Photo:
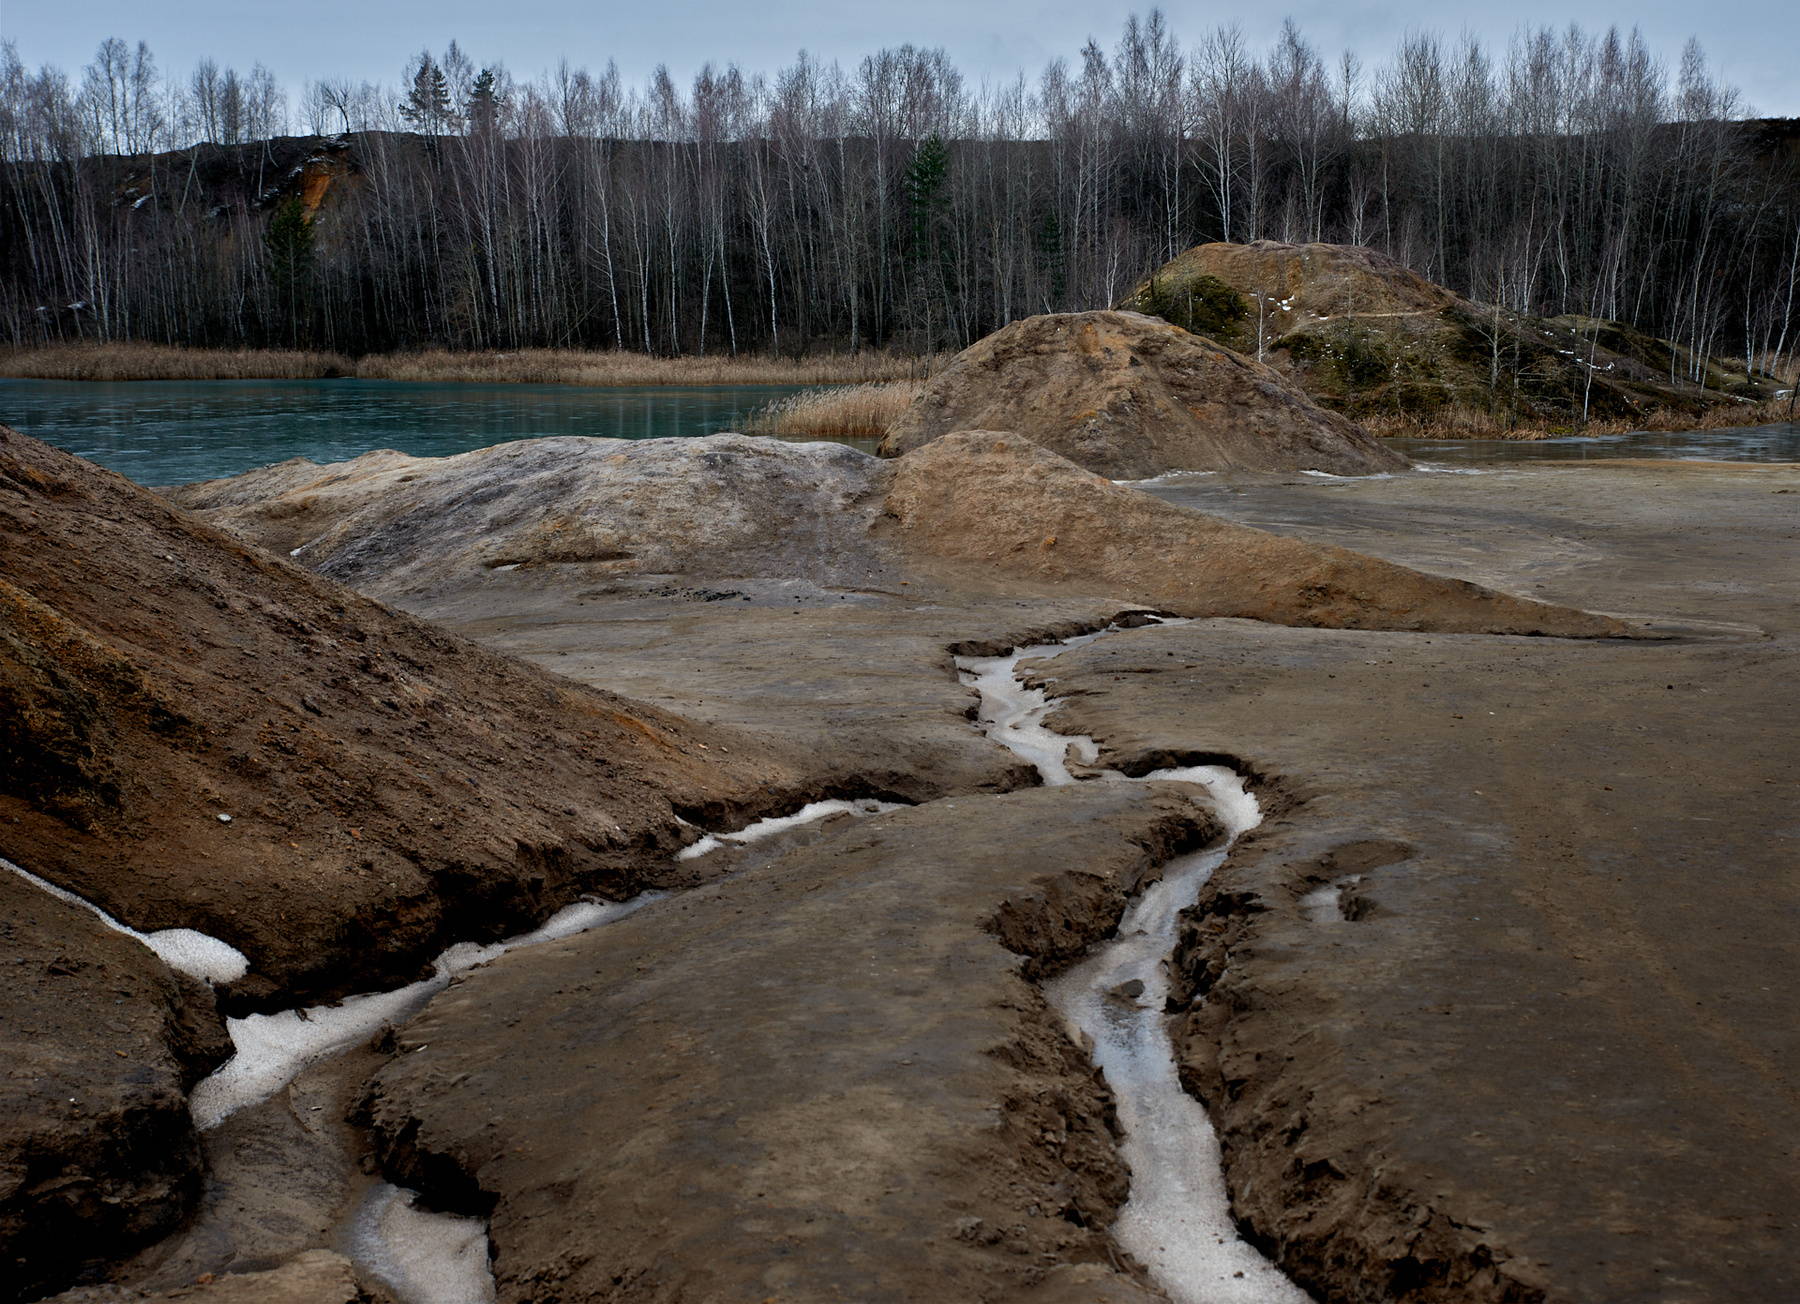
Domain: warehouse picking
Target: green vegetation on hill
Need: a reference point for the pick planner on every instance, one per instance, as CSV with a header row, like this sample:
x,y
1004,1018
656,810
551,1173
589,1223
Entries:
x,y
1366,337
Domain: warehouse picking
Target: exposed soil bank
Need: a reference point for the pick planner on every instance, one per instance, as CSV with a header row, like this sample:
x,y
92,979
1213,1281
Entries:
x,y
388,787
1500,1007
194,734
97,1152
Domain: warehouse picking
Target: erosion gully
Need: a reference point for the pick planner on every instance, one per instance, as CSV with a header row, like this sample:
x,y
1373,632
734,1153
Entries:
x,y
1177,1221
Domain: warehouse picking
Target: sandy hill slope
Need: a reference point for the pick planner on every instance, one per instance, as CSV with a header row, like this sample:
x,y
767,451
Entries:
x,y
970,512
1364,335
1125,396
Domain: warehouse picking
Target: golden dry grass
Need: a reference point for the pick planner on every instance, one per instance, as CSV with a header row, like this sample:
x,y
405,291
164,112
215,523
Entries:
x,y
139,361
862,411
132,360
583,367
1462,424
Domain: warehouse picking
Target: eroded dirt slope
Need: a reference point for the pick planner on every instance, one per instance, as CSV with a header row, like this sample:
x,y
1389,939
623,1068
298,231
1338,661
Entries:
x,y
984,504
971,513
97,1150
389,786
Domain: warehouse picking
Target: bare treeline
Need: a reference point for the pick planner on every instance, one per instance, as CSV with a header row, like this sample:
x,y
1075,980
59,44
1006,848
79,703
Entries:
x,y
887,204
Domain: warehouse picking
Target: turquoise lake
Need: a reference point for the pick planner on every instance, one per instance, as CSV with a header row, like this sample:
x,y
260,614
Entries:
x,y
161,432
174,432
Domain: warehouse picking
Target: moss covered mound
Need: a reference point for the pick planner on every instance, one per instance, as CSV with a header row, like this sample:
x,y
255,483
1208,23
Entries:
x,y
1365,336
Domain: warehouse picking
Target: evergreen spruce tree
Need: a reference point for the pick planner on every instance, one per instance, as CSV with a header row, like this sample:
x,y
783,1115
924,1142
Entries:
x,y
289,242
485,104
427,105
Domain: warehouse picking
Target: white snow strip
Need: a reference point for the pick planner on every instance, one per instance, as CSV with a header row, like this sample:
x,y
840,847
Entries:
x,y
1165,477
182,949
420,1257
1177,1220
272,1048
768,828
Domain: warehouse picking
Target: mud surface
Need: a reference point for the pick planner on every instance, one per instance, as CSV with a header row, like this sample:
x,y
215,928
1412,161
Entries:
x,y
1482,1011
1130,396
828,1076
1501,1006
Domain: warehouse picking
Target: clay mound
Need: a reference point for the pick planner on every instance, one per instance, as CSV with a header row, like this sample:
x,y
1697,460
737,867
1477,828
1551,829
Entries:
x,y
391,787
985,502
971,513
102,1045
1130,397
730,505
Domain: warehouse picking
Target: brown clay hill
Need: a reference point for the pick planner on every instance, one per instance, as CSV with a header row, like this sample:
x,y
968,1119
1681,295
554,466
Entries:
x,y
1129,397
390,787
1366,336
980,503
974,513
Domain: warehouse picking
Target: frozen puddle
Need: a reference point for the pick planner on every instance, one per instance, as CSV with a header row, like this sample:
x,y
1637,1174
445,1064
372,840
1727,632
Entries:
x,y
182,949
1178,1219
420,1257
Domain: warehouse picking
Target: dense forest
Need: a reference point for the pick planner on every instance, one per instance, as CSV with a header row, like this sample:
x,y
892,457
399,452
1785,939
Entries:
x,y
886,205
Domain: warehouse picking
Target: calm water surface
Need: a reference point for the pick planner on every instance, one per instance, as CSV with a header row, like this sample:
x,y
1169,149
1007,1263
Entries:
x,y
177,431
1775,443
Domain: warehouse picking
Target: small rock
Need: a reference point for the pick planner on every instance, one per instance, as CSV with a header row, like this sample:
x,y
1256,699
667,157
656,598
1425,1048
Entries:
x,y
224,818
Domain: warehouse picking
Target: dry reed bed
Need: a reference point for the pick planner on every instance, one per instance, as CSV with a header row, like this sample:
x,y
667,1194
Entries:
x,y
858,411
1479,425
139,361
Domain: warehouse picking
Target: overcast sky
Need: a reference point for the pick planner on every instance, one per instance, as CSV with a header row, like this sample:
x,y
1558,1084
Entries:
x,y
1753,44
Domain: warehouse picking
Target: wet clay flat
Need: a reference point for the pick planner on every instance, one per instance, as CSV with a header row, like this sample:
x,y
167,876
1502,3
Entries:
x,y
827,1077
1500,1005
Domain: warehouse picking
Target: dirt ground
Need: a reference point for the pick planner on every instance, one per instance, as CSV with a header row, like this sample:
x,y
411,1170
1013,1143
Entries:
x,y
1540,1045
1495,1006
1540,1048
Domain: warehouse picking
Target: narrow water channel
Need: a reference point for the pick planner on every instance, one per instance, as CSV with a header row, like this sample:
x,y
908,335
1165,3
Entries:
x,y
1177,1221
417,1255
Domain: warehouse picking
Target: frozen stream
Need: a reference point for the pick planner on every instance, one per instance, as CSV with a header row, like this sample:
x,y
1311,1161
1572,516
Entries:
x,y
418,1256
1178,1219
